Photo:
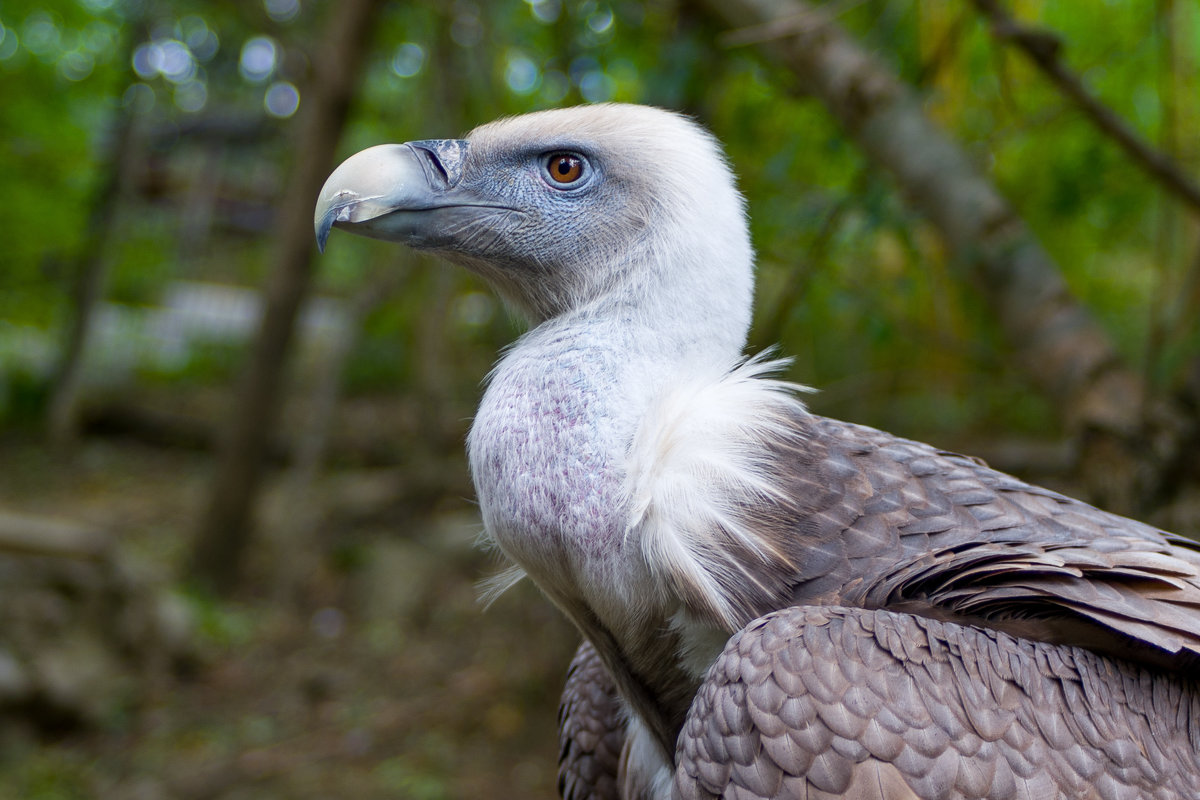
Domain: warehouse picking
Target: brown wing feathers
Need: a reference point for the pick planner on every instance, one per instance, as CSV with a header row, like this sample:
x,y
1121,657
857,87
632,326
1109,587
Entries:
x,y
834,697
965,541
871,705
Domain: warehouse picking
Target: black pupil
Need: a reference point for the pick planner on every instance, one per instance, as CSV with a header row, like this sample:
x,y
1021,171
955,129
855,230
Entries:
x,y
564,165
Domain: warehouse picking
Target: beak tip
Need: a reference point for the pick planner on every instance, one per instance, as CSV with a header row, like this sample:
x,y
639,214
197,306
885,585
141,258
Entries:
x,y
323,227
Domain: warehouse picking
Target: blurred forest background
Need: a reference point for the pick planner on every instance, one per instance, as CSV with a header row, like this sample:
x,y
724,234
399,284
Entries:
x,y
237,547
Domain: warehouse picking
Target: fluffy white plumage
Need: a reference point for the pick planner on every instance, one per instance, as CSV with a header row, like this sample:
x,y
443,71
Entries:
x,y
696,462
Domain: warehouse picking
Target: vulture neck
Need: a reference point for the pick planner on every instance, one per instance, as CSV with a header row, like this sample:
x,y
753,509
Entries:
x,y
683,293
550,446
551,453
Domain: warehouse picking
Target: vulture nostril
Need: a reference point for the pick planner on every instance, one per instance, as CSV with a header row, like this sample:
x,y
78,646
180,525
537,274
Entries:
x,y
441,159
432,162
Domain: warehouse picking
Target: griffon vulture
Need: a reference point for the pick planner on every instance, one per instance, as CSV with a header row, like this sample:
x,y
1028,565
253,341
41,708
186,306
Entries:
x,y
774,604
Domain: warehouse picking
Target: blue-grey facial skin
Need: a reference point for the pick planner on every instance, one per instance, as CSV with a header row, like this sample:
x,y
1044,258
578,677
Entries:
x,y
470,207
536,222
505,217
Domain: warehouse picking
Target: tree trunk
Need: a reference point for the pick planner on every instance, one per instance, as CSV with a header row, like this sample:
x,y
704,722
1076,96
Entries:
x,y
296,534
225,528
1124,446
91,275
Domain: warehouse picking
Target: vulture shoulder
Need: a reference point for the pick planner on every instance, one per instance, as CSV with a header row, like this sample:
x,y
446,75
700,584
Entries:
x,y
823,702
853,516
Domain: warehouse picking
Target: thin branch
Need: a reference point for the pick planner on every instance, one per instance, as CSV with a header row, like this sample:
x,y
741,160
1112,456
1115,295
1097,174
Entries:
x,y
1044,49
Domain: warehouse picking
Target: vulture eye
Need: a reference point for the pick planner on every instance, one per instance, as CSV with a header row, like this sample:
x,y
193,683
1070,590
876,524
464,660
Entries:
x,y
564,168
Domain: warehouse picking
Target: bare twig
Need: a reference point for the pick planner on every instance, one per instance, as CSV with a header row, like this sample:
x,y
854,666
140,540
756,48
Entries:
x,y
1044,49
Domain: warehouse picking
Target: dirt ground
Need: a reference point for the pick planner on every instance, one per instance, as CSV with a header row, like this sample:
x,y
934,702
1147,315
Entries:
x,y
384,679
377,675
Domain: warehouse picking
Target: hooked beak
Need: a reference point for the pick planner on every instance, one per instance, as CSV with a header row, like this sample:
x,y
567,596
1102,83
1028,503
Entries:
x,y
389,192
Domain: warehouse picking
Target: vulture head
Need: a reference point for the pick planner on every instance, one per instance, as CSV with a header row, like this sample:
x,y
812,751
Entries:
x,y
569,211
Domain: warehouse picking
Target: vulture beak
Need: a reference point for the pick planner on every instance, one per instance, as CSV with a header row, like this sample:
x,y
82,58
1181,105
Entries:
x,y
399,192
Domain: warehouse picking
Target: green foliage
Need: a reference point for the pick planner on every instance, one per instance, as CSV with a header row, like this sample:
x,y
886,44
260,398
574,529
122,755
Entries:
x,y
57,76
23,395
850,281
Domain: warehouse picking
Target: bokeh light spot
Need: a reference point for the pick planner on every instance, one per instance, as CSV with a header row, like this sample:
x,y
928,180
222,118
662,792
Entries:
x,y
139,97
173,60
191,96
100,39
601,21
258,59
8,43
76,65
521,74
281,100
142,63
408,59
42,36
282,10
545,11
200,39
596,87
169,58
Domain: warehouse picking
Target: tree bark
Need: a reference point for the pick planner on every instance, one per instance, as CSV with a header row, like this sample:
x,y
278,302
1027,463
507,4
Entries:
x,y
297,534
1123,448
91,276
226,524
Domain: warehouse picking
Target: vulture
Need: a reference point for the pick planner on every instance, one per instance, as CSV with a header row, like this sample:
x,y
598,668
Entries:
x,y
773,604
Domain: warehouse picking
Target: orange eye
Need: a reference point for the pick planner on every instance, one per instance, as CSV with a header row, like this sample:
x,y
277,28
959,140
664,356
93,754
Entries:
x,y
564,168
